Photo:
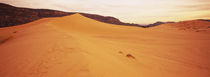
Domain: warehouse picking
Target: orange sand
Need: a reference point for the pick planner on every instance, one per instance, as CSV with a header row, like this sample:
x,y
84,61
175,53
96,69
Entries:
x,y
76,46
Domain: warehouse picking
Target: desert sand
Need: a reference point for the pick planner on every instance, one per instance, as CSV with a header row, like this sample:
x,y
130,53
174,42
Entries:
x,y
76,46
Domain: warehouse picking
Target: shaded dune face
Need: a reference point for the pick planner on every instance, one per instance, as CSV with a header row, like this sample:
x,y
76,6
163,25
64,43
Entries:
x,y
76,46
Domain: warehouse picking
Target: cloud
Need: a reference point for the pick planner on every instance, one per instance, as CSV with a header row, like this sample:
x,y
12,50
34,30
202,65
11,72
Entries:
x,y
196,7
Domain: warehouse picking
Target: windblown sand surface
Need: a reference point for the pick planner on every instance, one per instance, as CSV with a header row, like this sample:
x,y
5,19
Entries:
x,y
76,46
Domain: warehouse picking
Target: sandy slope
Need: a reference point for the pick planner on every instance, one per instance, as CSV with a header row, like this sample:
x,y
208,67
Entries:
x,y
75,46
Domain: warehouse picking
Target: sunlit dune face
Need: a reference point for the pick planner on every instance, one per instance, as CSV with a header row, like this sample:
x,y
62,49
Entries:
x,y
137,11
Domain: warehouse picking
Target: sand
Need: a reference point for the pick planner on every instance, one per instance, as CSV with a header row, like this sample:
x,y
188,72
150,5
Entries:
x,y
76,46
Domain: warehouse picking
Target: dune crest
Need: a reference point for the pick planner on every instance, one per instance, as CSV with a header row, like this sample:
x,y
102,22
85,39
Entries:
x,y
76,46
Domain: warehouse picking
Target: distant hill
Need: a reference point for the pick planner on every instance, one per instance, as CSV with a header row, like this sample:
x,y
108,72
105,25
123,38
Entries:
x,y
158,23
11,16
108,19
204,20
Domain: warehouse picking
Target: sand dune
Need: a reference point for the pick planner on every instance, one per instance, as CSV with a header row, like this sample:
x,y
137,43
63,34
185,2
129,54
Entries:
x,y
189,26
76,46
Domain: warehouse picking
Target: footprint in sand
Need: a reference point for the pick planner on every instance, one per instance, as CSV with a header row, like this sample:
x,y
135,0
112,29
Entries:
x,y
128,55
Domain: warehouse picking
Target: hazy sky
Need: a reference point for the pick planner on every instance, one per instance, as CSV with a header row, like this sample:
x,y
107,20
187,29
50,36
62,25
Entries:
x,y
137,11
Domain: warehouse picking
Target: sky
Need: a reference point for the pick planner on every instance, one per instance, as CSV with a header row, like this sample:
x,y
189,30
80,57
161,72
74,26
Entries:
x,y
131,11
